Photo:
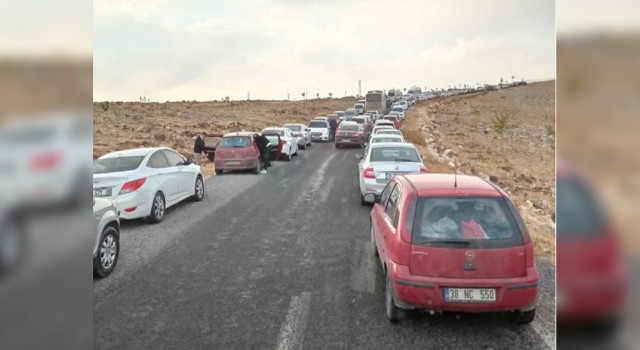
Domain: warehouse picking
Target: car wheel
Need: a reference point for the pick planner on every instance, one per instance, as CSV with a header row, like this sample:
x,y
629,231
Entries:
x,y
198,193
13,242
296,153
522,317
287,157
338,145
393,312
108,251
373,246
157,208
219,171
362,201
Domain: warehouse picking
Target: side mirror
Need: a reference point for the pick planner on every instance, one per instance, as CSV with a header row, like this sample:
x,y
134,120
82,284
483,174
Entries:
x,y
308,129
189,161
358,155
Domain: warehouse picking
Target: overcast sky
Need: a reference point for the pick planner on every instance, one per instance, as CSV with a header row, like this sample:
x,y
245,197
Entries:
x,y
204,50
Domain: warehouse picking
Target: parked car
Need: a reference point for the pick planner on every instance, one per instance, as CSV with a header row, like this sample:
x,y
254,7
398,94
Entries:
x,y
350,113
404,104
456,243
350,133
380,138
390,132
394,119
144,182
340,114
359,107
320,130
274,146
323,117
378,128
302,133
592,277
289,142
399,110
237,151
106,237
210,145
383,122
381,163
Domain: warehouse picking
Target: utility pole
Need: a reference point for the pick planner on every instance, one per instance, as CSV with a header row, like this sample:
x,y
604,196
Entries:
x,y
287,96
248,95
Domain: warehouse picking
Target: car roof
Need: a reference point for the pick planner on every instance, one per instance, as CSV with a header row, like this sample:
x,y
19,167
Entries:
x,y
348,122
273,128
294,124
386,136
393,144
239,133
443,184
134,152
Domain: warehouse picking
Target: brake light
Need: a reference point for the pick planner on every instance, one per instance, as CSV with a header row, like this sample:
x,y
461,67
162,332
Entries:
x,y
45,161
529,254
355,134
132,185
369,173
338,133
423,170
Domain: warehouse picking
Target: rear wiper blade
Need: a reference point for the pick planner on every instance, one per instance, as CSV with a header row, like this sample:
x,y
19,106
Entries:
x,y
438,241
404,160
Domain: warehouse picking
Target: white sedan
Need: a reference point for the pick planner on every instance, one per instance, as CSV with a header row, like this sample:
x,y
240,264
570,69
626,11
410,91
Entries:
x,y
290,145
144,182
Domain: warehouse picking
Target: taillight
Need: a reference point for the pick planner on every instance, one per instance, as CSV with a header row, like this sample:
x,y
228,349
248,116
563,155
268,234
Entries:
x,y
132,185
529,254
45,161
423,170
355,134
338,133
369,173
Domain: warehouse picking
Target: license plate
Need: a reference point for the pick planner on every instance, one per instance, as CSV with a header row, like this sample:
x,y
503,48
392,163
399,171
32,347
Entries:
x,y
391,175
485,295
233,163
102,192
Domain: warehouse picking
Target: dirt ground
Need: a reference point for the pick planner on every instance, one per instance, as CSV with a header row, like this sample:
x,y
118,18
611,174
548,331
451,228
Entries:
x,y
521,160
175,124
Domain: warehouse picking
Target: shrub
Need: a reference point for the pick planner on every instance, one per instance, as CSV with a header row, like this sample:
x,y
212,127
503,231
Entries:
x,y
104,105
500,121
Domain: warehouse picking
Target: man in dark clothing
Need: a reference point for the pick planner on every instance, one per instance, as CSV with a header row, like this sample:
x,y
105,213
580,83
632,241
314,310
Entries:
x,y
261,143
333,125
198,148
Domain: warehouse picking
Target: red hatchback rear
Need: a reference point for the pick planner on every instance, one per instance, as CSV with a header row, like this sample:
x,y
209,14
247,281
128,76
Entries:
x,y
237,151
450,244
394,119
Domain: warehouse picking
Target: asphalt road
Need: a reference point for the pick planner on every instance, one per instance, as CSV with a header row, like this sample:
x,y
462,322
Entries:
x,y
278,261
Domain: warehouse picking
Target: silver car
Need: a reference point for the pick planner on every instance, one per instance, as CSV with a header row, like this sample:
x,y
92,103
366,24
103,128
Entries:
x,y
302,133
383,161
106,237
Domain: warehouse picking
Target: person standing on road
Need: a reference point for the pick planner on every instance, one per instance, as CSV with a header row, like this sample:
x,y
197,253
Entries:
x,y
261,143
333,125
198,148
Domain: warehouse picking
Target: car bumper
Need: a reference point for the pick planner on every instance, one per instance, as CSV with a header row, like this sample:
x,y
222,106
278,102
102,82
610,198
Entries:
x,y
138,204
320,138
372,187
410,291
235,164
348,141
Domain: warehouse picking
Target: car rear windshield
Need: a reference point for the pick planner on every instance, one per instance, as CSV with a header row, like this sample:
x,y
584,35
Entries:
x,y
235,142
349,127
294,127
394,154
358,120
350,113
388,132
398,109
116,164
577,211
359,105
318,124
273,139
385,139
390,117
465,222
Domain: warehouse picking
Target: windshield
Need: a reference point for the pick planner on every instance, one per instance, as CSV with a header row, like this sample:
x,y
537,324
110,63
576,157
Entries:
x,y
450,220
294,127
235,142
349,112
398,109
318,124
358,120
577,211
112,165
359,105
349,127
394,154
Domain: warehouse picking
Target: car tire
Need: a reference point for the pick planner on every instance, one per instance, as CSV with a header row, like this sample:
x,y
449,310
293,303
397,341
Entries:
x,y
158,208
362,201
198,193
219,171
338,145
373,246
286,157
296,154
394,313
13,244
522,317
305,145
108,252
258,167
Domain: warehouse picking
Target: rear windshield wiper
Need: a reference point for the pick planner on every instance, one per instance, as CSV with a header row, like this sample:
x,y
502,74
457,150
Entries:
x,y
451,242
404,160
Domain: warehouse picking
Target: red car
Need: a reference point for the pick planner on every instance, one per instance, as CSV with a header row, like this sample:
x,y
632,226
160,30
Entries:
x,y
453,243
394,119
237,151
591,275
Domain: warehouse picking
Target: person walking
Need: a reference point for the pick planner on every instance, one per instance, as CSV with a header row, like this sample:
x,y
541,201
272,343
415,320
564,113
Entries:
x,y
261,143
198,148
333,125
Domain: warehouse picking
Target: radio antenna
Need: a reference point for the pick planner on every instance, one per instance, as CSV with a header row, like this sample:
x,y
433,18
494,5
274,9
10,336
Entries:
x,y
455,175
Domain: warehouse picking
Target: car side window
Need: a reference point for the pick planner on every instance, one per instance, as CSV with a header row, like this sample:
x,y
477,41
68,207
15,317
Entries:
x,y
385,193
393,202
174,158
158,161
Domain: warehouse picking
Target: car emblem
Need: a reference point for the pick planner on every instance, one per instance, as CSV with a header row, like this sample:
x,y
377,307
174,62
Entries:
x,y
397,167
469,255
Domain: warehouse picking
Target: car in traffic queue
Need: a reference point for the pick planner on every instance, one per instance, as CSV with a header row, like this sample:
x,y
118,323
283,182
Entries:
x,y
403,103
399,110
350,113
384,122
274,146
456,243
390,132
340,115
359,107
289,142
302,133
381,163
144,182
378,128
394,119
350,133
320,130
383,138
106,237
210,144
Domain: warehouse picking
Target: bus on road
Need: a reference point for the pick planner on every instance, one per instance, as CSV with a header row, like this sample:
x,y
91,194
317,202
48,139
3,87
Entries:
x,y
376,100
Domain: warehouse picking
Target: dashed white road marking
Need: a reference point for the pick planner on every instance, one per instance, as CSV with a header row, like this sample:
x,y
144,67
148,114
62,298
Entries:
x,y
295,324
326,190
